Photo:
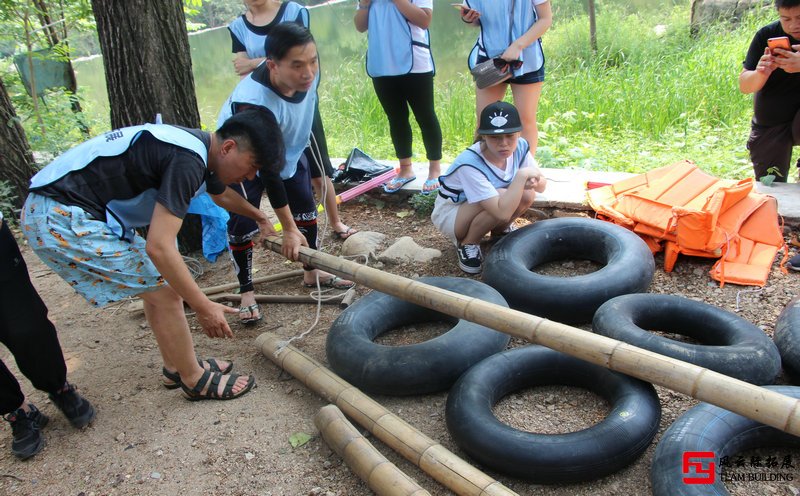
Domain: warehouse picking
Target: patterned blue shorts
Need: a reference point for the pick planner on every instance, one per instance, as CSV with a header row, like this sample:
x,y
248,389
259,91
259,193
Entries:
x,y
84,252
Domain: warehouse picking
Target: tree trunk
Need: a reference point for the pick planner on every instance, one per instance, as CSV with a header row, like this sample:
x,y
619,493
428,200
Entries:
x,y
147,61
148,71
17,164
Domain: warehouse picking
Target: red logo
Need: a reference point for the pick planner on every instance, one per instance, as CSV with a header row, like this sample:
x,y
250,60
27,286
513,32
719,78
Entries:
x,y
696,460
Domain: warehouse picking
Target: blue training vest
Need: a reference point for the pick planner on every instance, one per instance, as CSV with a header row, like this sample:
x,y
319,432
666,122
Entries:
x,y
470,158
255,43
122,216
295,118
389,41
497,33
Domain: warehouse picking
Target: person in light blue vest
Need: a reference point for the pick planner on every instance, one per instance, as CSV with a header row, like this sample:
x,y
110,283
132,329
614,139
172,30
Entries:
x,y
83,208
285,86
515,46
400,63
249,33
487,186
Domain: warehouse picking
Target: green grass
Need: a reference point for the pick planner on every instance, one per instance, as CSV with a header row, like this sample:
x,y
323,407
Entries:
x,y
652,95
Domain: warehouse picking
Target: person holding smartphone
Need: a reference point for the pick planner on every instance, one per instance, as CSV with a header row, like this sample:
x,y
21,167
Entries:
x,y
519,44
772,75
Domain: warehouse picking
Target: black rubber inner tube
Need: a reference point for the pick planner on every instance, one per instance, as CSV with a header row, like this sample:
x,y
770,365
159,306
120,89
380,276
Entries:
x,y
787,339
419,368
729,345
550,458
710,429
628,267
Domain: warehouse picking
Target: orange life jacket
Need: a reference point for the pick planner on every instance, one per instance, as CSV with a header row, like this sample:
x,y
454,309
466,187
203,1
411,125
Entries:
x,y
681,209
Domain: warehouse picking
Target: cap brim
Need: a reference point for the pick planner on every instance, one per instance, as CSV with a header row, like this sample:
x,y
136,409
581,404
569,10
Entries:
x,y
507,130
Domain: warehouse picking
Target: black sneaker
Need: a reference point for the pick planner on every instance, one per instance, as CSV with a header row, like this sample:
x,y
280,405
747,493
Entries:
x,y
26,430
794,262
75,407
469,258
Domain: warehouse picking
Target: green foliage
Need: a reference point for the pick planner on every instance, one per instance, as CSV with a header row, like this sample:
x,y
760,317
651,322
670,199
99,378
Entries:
x,y
422,204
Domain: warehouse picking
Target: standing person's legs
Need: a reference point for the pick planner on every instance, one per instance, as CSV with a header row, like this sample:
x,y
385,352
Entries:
x,y
388,90
241,231
771,150
323,186
485,96
304,212
24,327
526,99
419,93
321,173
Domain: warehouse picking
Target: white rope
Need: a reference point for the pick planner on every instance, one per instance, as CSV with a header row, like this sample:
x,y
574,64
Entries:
x,y
739,293
318,294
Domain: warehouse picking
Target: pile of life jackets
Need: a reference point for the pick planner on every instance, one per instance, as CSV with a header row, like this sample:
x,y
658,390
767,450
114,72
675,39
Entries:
x,y
681,209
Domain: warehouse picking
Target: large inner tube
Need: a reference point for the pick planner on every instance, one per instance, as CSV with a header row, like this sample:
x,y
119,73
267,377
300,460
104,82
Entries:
x,y
710,429
627,267
550,458
730,344
420,368
787,339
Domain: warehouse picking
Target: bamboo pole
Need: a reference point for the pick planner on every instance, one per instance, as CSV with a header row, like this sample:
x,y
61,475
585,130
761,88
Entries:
x,y
332,300
416,447
258,280
753,402
381,475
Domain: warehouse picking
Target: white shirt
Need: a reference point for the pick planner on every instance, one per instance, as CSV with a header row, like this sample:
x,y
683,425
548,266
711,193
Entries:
x,y
475,185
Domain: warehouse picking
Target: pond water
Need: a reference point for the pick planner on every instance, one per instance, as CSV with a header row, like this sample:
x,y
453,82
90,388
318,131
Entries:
x,y
338,43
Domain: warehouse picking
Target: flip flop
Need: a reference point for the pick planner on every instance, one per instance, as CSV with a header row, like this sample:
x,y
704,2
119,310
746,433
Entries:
x,y
343,235
430,186
334,282
250,310
398,183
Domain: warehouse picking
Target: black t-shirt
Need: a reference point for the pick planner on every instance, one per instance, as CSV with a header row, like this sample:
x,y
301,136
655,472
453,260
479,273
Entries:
x,y
779,100
174,171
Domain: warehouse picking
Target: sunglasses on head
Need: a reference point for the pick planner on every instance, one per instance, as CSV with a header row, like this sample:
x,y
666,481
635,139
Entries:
x,y
502,63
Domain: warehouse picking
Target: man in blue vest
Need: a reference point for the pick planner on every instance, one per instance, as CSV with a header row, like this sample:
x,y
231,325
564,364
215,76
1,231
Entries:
x,y
83,208
286,86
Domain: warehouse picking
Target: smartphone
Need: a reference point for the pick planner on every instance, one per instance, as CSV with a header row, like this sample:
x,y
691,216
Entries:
x,y
779,42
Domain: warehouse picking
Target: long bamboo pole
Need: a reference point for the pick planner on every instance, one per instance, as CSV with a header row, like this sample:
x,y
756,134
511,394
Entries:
x,y
381,475
753,402
441,464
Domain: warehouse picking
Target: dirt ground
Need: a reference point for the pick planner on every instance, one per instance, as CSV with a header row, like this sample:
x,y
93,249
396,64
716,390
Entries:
x,y
149,440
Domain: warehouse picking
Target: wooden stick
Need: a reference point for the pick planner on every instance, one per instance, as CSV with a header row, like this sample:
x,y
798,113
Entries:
x,y
753,402
416,447
258,280
138,305
381,475
333,300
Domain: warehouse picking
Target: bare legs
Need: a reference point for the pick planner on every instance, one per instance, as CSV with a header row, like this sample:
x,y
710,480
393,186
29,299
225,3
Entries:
x,y
163,309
